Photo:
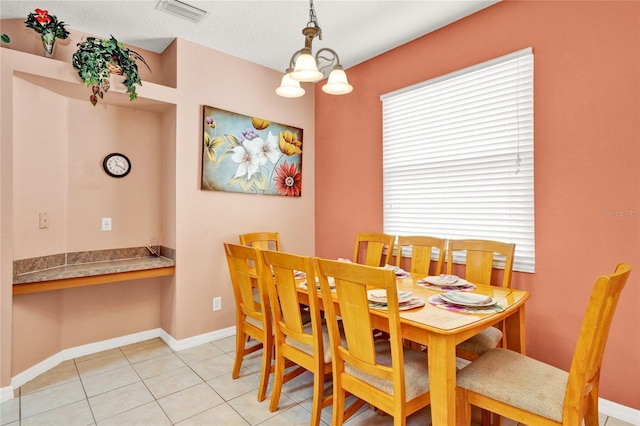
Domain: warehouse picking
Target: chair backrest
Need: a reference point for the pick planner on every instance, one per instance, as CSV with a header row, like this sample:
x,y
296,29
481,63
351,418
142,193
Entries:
x,y
584,374
373,244
245,268
279,276
261,240
480,255
351,282
421,251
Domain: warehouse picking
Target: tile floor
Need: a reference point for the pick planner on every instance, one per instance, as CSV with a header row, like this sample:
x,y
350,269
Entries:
x,y
149,384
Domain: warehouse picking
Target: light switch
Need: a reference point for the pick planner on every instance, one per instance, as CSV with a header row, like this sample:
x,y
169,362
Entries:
x,y
106,224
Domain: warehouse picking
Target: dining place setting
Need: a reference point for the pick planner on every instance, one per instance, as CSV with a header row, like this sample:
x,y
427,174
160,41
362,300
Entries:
x,y
303,285
456,294
406,300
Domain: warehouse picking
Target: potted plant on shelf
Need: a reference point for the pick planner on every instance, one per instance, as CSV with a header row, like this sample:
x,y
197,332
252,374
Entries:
x,y
48,27
97,58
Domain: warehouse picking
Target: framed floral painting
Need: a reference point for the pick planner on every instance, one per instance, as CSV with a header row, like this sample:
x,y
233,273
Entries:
x,y
250,155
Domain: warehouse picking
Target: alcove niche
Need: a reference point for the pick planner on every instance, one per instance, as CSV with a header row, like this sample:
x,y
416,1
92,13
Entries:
x,y
58,141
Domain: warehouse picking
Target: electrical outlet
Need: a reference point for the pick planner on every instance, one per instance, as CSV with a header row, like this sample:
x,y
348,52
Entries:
x,y
106,224
44,220
217,303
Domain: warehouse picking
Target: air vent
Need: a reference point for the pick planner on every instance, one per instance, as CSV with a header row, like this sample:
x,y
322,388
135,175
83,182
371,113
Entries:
x,y
182,10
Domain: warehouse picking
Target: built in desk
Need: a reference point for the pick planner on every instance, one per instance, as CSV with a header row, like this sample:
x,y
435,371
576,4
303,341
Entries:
x,y
91,273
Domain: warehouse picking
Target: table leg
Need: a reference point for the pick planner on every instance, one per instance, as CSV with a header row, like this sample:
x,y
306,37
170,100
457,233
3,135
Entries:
x,y
514,331
442,379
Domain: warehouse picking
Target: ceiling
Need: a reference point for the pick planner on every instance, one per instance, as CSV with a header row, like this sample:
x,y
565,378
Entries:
x,y
264,32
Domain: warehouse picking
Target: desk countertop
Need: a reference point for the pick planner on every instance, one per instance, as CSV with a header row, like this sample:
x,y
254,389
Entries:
x,y
93,269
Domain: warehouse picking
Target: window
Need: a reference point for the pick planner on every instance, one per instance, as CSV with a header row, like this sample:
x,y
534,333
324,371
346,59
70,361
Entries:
x,y
458,156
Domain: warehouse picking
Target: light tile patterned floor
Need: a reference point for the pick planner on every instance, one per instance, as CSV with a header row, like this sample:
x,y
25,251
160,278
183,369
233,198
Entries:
x,y
149,384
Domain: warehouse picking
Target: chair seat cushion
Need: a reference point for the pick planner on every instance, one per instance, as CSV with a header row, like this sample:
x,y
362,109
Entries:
x,y
517,380
253,322
308,348
483,341
416,371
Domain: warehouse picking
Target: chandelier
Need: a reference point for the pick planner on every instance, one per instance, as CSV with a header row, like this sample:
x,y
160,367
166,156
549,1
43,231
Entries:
x,y
303,66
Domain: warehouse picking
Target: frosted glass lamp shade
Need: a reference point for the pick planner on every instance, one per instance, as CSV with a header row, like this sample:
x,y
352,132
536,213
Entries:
x,y
337,83
289,88
306,69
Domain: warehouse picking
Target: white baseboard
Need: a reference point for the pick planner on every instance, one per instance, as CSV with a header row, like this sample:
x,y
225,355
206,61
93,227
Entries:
x,y
620,412
608,408
190,342
6,393
78,351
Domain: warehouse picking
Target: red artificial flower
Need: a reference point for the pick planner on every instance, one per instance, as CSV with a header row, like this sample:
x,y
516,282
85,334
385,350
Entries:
x,y
289,180
43,23
43,16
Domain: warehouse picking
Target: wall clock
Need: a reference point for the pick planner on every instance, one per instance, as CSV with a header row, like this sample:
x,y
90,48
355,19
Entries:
x,y
116,165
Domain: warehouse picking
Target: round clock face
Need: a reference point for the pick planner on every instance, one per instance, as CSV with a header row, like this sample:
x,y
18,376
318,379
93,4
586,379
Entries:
x,y
116,165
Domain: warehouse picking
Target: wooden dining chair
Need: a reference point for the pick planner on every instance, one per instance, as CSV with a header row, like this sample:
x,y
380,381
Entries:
x,y
534,393
381,372
253,318
261,240
370,249
480,255
268,241
422,248
305,344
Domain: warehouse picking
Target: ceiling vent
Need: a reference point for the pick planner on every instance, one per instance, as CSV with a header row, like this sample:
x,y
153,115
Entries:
x,y
182,10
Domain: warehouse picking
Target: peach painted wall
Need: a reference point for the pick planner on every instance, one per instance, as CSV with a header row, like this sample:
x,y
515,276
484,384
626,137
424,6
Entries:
x,y
59,171
163,136
204,219
587,123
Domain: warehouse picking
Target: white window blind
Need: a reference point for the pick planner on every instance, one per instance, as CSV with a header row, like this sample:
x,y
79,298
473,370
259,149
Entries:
x,y
458,156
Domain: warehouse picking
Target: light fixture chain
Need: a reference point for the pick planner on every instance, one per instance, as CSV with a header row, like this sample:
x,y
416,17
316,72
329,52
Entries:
x,y
313,19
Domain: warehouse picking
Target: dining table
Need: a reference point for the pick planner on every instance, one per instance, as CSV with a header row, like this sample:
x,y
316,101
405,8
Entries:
x,y
441,326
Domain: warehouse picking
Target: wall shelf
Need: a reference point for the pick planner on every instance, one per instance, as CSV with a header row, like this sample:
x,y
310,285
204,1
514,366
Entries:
x,y
95,273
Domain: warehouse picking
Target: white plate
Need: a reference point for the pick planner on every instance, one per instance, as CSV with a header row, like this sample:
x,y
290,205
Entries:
x,y
414,302
467,299
440,281
380,296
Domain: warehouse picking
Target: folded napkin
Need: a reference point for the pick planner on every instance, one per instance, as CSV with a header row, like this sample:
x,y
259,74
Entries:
x,y
399,271
444,279
414,302
380,296
467,298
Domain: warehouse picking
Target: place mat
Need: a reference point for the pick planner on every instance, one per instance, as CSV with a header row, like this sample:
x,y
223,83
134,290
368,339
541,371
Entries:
x,y
415,302
437,301
466,287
